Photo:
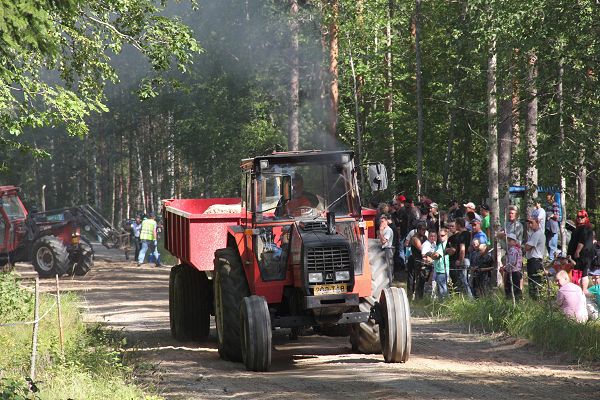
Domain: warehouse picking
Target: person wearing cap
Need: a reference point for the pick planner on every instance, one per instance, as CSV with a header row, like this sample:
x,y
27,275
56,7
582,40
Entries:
x,y
148,236
485,222
432,219
511,271
593,295
470,214
398,216
136,230
581,246
478,233
534,248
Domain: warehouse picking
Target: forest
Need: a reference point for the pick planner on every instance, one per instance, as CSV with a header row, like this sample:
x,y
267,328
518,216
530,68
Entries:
x,y
122,103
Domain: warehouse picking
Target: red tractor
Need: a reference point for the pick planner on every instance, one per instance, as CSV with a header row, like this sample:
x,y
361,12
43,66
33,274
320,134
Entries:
x,y
292,253
52,240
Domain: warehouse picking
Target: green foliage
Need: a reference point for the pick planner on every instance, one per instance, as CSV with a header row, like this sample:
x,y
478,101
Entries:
x,y
92,365
55,57
537,322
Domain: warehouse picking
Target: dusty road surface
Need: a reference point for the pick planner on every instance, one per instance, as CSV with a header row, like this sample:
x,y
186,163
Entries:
x,y
446,363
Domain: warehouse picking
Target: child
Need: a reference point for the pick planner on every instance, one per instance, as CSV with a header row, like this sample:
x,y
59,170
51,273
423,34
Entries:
x,y
593,295
512,270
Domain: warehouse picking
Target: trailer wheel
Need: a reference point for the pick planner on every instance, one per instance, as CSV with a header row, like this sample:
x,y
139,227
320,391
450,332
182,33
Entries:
x,y
174,271
85,262
256,334
50,257
364,337
190,308
395,329
230,287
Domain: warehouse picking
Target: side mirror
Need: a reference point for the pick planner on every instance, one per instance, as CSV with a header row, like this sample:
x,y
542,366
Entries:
x,y
377,176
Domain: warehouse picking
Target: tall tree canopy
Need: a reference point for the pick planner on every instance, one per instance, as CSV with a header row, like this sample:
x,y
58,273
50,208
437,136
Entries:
x,y
266,70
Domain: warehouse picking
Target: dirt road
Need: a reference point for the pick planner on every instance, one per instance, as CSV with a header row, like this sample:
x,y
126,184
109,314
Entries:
x,y
446,362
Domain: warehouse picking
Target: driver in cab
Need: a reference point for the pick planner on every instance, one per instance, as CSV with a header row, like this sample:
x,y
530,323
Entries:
x,y
300,198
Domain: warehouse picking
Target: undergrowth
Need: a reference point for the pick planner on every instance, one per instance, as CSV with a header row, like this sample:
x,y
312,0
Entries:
x,y
537,321
90,368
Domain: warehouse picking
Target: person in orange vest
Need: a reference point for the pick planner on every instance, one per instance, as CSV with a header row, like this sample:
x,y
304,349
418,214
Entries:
x,y
149,239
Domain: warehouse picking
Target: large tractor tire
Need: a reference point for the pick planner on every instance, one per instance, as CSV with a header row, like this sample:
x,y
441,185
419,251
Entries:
x,y
256,334
364,337
189,303
395,329
85,262
230,288
50,257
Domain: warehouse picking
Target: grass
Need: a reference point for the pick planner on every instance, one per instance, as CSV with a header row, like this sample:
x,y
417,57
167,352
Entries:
x,y
537,321
90,368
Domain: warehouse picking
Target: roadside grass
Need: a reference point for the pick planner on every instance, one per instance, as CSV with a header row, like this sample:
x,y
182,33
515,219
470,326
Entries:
x,y
91,367
537,321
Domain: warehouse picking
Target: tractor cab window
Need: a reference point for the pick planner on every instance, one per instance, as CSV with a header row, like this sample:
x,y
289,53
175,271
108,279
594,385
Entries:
x,y
299,191
12,207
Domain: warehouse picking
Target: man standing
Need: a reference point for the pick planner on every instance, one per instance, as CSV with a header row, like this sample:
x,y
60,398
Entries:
x,y
148,238
470,208
512,225
485,223
534,249
386,238
458,245
478,234
136,229
540,214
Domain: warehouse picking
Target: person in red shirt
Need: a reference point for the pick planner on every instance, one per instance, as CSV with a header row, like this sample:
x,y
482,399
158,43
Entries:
x,y
301,199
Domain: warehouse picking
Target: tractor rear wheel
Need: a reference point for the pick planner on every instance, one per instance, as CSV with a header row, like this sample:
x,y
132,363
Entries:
x,y
50,257
364,337
85,262
256,335
395,329
230,287
189,303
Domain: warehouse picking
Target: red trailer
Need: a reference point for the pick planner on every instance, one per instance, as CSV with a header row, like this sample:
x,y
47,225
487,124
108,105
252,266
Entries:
x,y
299,255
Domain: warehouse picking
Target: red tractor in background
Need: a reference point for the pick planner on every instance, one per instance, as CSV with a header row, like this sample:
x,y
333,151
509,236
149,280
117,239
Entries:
x,y
278,267
52,240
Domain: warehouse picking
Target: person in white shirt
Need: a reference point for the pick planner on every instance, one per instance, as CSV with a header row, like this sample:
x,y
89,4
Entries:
x,y
386,238
534,252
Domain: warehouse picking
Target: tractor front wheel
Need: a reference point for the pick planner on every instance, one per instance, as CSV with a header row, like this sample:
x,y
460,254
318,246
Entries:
x,y
50,257
230,287
256,335
395,329
85,262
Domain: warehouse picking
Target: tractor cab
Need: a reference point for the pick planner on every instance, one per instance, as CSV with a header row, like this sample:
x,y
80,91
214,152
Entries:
x,y
12,219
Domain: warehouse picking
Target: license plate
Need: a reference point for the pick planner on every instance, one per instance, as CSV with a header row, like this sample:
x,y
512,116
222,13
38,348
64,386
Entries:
x,y
330,289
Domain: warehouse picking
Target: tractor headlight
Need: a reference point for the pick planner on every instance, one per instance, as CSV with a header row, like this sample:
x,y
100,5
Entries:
x,y
315,277
342,276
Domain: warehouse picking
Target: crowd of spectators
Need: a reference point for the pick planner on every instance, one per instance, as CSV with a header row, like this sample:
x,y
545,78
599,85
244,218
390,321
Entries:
x,y
452,249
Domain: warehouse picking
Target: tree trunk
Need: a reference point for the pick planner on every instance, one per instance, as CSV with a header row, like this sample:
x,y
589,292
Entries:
x,y
389,99
581,179
493,150
531,175
515,171
419,97
294,111
333,75
140,173
504,153
170,156
561,146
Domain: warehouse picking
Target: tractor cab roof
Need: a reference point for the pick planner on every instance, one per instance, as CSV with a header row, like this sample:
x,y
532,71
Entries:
x,y
297,157
9,189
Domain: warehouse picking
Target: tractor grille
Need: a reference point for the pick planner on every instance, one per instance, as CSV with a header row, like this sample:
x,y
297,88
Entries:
x,y
328,259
